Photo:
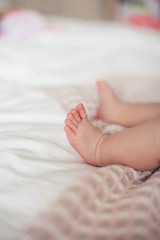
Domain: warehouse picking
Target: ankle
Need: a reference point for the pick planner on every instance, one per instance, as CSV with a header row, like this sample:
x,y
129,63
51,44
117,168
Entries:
x,y
116,113
98,159
120,113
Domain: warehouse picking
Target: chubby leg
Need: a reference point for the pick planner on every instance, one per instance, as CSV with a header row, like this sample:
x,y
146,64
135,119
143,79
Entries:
x,y
137,147
113,110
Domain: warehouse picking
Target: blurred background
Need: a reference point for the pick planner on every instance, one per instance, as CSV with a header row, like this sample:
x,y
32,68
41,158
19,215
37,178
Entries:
x,y
22,18
142,12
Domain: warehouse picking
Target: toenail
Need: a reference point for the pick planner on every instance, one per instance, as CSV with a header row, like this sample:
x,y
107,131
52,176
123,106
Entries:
x,y
69,115
80,105
74,111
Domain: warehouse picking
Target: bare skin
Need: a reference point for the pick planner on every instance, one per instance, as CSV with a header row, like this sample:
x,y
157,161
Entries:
x,y
113,110
137,146
79,132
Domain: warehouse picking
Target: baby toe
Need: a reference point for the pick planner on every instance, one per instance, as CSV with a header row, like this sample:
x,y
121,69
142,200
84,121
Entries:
x,y
72,118
68,131
70,124
76,115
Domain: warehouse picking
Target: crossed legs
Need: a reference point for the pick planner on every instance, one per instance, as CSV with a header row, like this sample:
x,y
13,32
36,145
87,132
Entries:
x,y
137,146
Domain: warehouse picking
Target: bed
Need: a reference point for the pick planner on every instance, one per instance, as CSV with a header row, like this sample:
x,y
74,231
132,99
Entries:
x,y
47,190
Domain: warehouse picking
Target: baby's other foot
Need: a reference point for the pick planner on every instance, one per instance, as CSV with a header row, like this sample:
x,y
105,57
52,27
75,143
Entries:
x,y
108,103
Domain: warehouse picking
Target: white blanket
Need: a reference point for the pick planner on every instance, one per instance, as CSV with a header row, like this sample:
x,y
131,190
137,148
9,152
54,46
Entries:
x,y
47,191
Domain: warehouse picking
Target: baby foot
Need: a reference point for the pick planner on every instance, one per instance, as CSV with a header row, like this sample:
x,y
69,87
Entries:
x,y
81,134
109,104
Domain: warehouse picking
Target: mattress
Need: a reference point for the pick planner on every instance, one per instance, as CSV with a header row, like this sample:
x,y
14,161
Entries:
x,y
47,190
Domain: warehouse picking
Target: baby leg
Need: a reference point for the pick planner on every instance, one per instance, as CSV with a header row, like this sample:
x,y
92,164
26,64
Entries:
x,y
137,147
112,110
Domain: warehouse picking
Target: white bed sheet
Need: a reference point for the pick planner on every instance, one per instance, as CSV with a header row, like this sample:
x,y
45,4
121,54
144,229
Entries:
x,y
41,78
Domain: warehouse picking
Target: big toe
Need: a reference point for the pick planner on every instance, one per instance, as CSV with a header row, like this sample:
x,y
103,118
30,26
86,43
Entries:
x,y
81,110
